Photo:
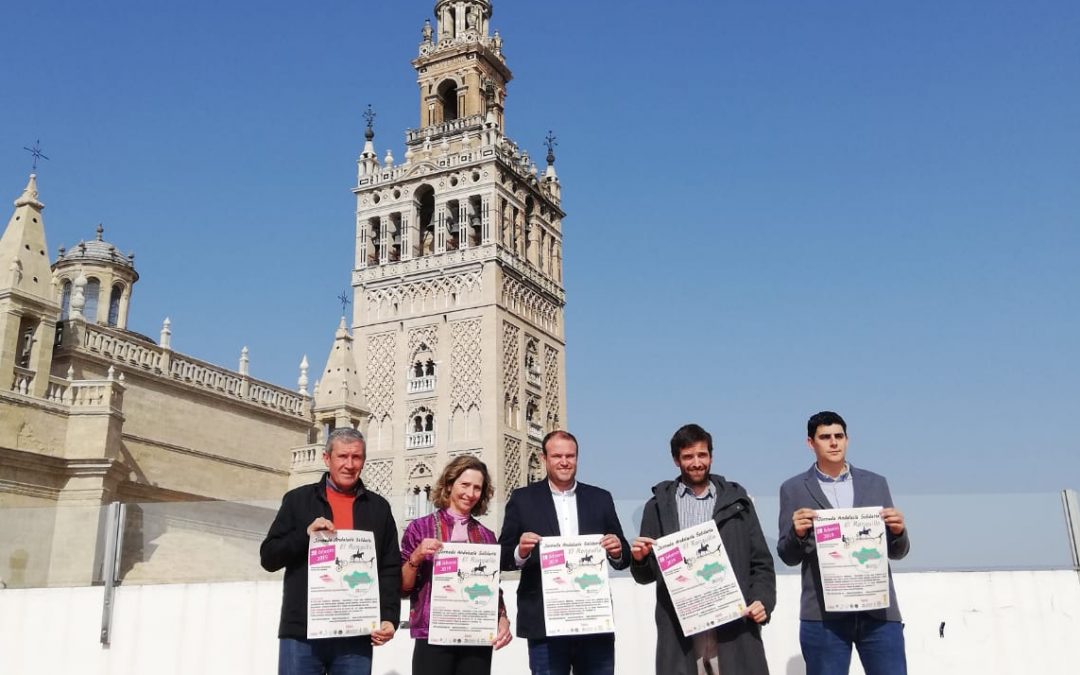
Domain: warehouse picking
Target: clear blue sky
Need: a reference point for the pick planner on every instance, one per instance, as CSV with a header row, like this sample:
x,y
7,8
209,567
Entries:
x,y
774,207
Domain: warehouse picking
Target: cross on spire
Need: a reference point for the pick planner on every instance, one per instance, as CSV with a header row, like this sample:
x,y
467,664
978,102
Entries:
x,y
344,300
36,153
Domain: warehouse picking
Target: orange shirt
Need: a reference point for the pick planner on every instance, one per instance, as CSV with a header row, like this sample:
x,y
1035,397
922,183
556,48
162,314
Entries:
x,y
342,507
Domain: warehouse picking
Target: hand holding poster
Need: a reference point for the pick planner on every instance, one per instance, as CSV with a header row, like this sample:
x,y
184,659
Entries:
x,y
343,584
853,558
465,595
577,599
699,578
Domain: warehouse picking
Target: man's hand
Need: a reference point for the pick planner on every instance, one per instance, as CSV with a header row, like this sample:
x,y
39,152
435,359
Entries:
x,y
320,524
803,520
384,634
527,543
425,548
894,520
756,612
504,636
612,545
642,547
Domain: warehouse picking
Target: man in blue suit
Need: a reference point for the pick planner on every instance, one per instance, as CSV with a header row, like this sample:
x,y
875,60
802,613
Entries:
x,y
826,638
559,506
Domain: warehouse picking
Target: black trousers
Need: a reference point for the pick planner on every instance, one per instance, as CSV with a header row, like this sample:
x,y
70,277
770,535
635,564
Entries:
x,y
428,659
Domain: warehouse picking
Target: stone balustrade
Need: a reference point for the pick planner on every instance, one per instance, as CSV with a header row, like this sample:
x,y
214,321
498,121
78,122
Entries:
x,y
536,431
419,439
131,352
436,131
23,381
307,458
419,385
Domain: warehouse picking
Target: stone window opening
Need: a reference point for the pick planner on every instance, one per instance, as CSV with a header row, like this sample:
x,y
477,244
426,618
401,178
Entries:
x,y
453,227
65,301
448,100
425,205
422,371
114,305
421,432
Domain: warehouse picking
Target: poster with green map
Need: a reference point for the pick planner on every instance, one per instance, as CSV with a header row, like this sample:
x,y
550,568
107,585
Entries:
x,y
698,575
343,584
853,560
574,576
465,595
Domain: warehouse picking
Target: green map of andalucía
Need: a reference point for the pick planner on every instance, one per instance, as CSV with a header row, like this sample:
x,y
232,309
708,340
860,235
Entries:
x,y
710,571
866,554
586,580
478,591
355,579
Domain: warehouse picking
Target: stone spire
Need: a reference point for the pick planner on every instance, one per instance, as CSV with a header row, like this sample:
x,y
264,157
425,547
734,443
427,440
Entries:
x,y
24,265
339,387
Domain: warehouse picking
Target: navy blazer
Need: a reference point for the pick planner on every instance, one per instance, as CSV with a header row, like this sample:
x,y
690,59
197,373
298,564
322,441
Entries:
x,y
804,491
532,509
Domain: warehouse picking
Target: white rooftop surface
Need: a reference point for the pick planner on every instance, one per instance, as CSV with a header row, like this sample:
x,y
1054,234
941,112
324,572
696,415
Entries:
x,y
1007,622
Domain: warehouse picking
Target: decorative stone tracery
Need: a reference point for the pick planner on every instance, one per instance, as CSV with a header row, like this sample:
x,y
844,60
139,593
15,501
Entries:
x,y
530,304
381,369
511,477
551,387
378,476
466,360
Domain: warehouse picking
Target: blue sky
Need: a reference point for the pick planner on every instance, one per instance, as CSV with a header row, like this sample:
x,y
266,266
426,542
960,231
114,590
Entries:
x,y
774,207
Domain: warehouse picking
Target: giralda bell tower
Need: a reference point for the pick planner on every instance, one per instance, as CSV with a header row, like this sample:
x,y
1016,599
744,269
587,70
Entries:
x,y
458,297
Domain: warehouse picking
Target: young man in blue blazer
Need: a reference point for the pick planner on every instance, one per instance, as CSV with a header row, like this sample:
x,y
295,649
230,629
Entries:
x,y
559,506
826,638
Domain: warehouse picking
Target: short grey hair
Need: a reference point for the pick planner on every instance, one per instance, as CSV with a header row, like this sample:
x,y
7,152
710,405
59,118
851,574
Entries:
x,y
348,436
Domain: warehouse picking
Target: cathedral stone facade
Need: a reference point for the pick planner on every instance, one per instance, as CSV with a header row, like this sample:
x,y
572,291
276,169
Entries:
x,y
93,413
455,346
457,343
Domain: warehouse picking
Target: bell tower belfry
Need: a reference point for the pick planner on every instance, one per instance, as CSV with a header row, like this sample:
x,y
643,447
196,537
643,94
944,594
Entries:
x,y
458,296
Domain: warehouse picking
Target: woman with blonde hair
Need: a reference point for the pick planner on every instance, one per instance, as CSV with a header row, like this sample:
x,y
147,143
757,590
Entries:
x,y
462,492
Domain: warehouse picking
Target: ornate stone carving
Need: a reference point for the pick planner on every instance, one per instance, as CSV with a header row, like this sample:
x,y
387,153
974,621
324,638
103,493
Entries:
x,y
423,295
378,476
529,304
425,335
511,367
536,466
381,371
551,387
511,477
466,364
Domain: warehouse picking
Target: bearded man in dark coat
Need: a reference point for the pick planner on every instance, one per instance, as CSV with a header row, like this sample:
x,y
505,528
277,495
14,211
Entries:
x,y
695,497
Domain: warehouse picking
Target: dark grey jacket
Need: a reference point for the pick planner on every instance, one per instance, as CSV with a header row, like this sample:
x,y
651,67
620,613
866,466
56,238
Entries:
x,y
740,649
804,491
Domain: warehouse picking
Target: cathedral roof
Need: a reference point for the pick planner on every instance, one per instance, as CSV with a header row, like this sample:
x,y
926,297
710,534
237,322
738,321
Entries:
x,y
97,250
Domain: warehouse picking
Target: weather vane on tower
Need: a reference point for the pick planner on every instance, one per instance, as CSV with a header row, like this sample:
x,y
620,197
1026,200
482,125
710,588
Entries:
x,y
36,153
551,142
369,116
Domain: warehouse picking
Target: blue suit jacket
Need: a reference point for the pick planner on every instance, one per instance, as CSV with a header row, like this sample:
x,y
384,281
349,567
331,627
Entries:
x,y
532,509
804,491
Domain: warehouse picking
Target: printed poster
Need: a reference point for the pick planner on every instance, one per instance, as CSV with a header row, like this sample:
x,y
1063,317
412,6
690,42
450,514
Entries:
x,y
343,584
574,575
853,558
465,595
696,569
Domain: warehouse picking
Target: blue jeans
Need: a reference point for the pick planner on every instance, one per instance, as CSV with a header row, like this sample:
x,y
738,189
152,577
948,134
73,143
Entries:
x,y
826,645
329,656
586,654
